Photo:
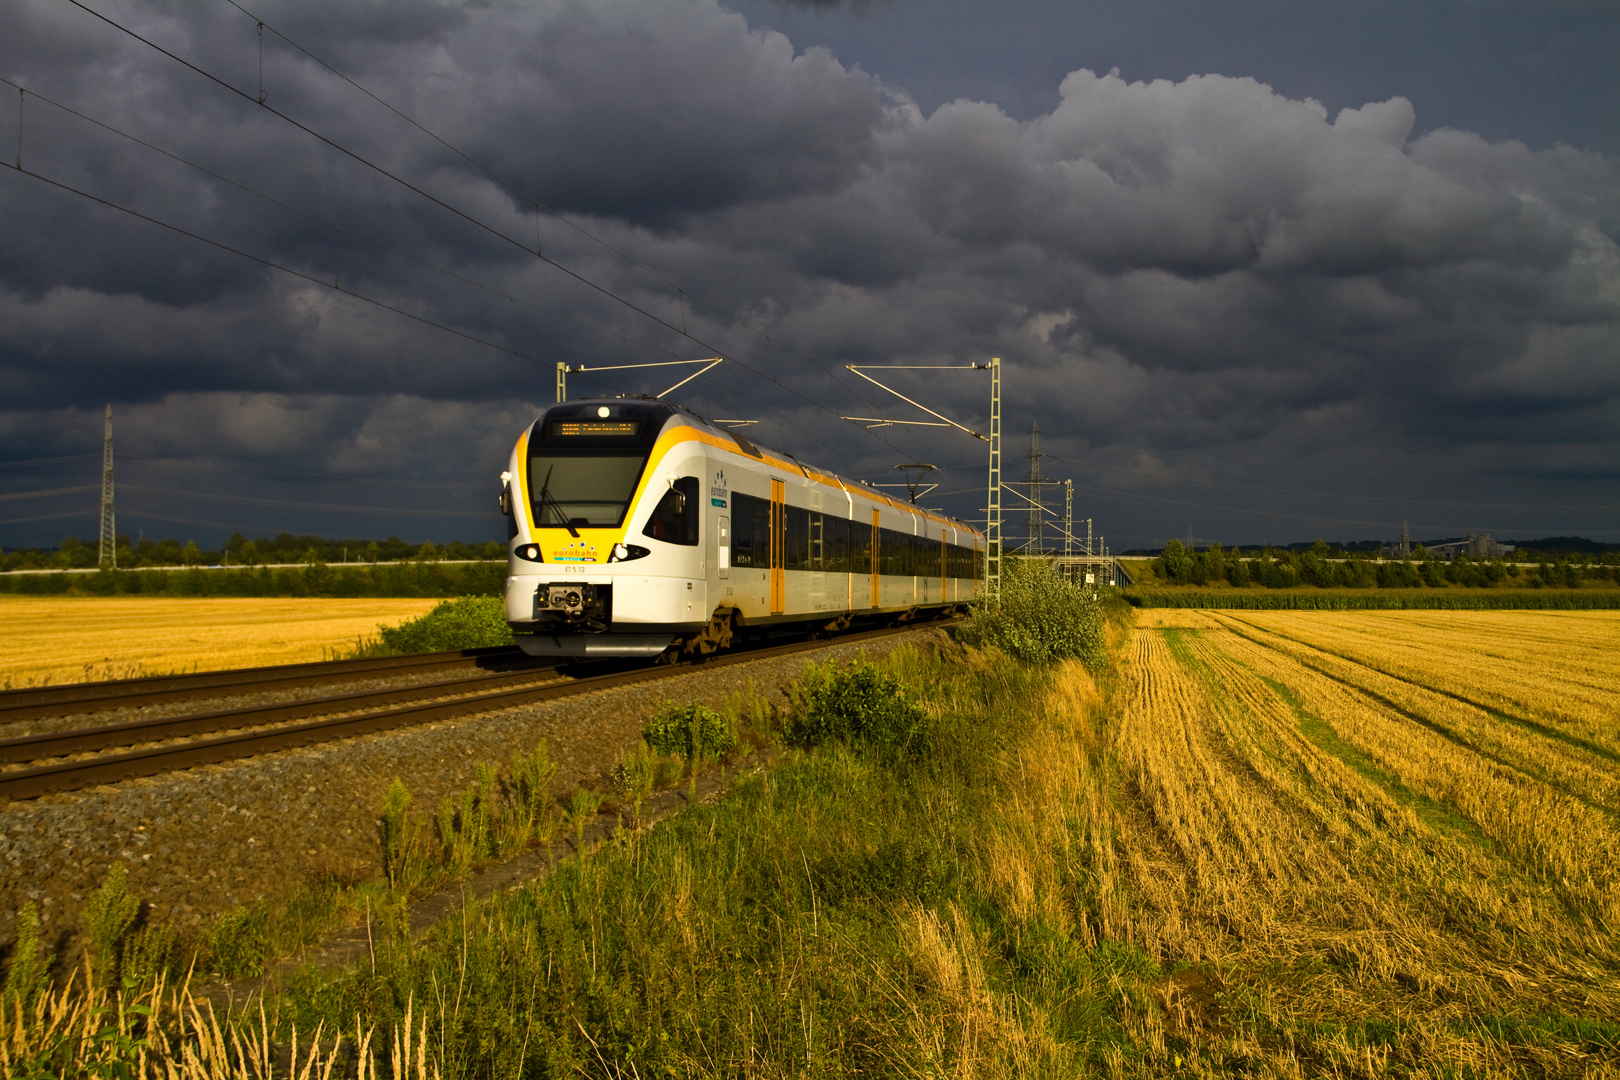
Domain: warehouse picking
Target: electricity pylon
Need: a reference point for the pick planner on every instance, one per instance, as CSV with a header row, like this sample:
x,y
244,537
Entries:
x,y
109,537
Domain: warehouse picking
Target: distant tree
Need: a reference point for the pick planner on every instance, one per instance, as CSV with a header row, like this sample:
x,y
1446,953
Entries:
x,y
1174,565
191,554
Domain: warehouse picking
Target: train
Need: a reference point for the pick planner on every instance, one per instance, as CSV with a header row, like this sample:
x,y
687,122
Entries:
x,y
637,528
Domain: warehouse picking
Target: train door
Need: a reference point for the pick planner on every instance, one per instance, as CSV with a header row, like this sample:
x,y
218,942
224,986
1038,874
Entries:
x,y
778,528
877,594
722,542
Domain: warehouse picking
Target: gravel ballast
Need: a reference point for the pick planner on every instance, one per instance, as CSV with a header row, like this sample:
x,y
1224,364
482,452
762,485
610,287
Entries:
x,y
200,842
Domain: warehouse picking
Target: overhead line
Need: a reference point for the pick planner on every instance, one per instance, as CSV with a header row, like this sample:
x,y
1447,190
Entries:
x,y
1260,489
379,245
681,330
275,265
350,508
50,491
437,202
538,203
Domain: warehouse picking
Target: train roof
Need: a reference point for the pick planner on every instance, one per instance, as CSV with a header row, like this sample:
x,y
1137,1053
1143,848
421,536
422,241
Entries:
x,y
657,408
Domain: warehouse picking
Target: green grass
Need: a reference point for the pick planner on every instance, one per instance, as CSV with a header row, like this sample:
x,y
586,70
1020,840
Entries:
x,y
774,928
1454,599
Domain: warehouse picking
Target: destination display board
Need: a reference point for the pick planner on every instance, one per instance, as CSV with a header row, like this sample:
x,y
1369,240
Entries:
x,y
565,429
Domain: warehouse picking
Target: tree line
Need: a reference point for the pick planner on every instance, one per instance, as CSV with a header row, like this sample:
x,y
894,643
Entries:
x,y
1324,567
282,548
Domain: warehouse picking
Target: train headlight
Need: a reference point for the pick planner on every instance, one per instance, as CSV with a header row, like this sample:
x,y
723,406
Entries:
x,y
627,552
527,552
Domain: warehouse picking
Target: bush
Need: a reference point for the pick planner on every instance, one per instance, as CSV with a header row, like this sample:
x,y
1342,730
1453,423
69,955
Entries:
x,y
468,622
237,942
690,731
1041,619
859,704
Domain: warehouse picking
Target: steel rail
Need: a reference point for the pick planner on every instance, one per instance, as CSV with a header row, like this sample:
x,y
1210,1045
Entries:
x,y
32,702
81,740
153,761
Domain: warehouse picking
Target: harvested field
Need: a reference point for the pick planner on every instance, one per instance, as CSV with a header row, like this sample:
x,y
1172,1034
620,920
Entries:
x,y
77,639
1391,836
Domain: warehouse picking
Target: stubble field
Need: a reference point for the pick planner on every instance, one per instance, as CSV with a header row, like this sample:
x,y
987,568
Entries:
x,y
58,640
1388,836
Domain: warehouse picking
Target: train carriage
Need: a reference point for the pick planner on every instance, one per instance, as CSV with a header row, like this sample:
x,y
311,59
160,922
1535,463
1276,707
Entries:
x,y
637,527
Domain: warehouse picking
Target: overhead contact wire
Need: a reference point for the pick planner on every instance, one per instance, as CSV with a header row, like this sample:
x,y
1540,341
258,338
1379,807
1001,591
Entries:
x,y
491,230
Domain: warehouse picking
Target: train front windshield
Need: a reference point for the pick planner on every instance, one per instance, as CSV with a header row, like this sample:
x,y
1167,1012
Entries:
x,y
585,460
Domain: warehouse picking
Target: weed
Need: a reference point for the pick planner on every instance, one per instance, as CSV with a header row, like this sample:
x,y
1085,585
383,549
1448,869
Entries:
x,y
236,942
397,833
582,806
108,917
28,961
150,952
530,785
634,776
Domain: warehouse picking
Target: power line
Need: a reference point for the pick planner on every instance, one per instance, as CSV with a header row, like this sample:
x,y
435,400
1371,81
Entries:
x,y
539,204
52,491
348,508
491,230
1374,499
41,462
261,260
308,216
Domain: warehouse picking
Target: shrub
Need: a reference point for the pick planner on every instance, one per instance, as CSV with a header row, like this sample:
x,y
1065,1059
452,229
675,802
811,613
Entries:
x,y
468,622
692,731
859,704
1041,618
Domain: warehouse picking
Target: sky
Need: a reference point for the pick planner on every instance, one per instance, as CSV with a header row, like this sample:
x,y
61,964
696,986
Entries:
x,y
1259,271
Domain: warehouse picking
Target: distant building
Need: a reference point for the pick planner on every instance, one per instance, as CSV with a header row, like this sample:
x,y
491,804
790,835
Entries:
x,y
1474,545
1402,548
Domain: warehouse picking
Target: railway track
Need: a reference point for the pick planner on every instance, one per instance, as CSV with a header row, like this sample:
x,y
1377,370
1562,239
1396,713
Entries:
x,y
40,764
35,702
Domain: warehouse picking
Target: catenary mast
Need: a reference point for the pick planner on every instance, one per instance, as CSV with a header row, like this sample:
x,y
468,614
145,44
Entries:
x,y
109,535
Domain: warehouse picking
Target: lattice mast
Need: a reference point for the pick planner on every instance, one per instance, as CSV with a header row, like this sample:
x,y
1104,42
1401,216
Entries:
x,y
109,535
1035,527
992,525
1068,517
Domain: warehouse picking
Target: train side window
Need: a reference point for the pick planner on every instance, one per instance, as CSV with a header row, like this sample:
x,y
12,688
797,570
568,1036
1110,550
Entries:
x,y
796,540
750,530
860,547
837,541
675,519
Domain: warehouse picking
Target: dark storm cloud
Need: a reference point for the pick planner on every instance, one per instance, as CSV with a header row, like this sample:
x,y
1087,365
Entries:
x,y
1201,267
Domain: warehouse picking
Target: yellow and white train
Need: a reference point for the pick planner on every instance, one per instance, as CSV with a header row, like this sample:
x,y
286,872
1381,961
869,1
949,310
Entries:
x,y
637,527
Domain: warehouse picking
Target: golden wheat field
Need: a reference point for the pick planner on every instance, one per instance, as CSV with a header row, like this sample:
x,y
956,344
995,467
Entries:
x,y
76,639
1390,835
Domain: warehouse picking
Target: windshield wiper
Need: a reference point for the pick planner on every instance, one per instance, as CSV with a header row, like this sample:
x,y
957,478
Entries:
x,y
548,499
